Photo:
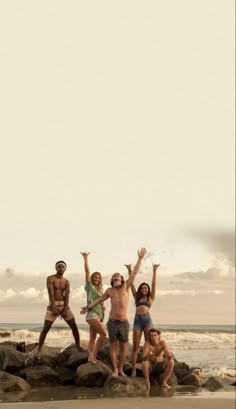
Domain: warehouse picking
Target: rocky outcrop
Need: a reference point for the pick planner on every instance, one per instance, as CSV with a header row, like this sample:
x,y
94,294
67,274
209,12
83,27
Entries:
x,y
191,379
40,376
11,383
72,358
212,384
66,375
92,375
104,353
120,386
11,360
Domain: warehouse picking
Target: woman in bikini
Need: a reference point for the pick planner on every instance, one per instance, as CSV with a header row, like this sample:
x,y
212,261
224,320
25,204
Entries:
x,y
144,297
94,317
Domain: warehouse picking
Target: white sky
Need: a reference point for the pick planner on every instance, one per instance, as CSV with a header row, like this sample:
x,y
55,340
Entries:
x,y
117,131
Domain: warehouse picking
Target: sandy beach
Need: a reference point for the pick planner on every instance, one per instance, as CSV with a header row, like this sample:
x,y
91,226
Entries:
x,y
215,401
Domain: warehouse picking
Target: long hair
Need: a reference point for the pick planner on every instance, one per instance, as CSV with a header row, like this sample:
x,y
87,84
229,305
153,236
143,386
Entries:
x,y
139,295
122,281
100,287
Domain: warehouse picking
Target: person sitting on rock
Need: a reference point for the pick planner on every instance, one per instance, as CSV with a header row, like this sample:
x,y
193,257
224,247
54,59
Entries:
x,y
156,351
58,291
95,316
118,325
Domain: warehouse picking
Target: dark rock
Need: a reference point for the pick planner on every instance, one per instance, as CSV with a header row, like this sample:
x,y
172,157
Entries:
x,y
49,356
120,386
20,346
181,366
212,384
104,353
172,381
40,376
140,387
11,360
66,375
92,375
191,379
72,358
11,383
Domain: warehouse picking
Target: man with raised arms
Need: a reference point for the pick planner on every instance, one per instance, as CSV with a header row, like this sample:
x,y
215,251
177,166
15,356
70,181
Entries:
x,y
157,353
58,291
118,325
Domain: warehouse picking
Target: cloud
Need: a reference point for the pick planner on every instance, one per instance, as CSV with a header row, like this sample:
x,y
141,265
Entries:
x,y
30,293
7,294
78,293
212,274
221,243
192,293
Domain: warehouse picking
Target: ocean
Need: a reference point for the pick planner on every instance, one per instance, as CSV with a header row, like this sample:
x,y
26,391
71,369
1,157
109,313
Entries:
x,y
208,347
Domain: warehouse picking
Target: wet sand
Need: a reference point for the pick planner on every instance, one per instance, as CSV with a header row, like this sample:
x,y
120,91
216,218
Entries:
x,y
216,401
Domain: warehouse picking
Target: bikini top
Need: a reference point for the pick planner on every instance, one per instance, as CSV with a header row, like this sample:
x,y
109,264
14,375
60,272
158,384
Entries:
x,y
146,303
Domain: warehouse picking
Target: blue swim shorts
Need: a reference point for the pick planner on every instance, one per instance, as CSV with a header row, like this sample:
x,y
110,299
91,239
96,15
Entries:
x,y
142,321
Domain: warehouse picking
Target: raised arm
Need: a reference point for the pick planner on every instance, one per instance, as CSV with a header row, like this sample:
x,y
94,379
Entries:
x,y
86,265
133,289
154,281
99,300
141,254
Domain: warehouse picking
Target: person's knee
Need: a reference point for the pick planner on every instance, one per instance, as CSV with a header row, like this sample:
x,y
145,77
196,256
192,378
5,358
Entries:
x,y
46,327
103,335
72,325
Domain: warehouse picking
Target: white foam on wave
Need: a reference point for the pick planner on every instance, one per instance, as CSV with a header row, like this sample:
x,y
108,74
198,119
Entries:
x,y
185,340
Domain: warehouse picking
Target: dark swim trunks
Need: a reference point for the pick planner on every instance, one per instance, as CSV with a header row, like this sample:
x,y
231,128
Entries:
x,y
118,330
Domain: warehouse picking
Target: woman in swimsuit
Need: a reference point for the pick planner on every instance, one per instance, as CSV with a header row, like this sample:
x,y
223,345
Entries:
x,y
94,317
144,297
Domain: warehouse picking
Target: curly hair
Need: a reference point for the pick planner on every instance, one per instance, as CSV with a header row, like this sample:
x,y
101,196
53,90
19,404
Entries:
x,y
139,295
122,281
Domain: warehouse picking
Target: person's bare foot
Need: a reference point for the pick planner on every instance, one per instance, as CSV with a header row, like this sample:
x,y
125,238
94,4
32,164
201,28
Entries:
x,y
115,373
165,386
147,386
133,375
121,372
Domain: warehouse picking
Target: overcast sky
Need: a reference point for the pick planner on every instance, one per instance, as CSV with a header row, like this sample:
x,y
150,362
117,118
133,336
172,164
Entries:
x,y
117,131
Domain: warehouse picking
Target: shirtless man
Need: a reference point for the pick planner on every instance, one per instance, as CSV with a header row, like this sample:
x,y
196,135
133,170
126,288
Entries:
x,y
58,291
118,325
153,353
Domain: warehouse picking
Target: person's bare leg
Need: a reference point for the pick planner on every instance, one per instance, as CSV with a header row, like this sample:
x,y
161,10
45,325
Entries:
x,y
146,331
137,334
169,366
98,327
145,369
113,358
75,332
122,346
91,344
42,337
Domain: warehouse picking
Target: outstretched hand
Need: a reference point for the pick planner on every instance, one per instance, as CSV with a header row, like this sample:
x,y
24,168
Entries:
x,y
85,255
155,267
142,252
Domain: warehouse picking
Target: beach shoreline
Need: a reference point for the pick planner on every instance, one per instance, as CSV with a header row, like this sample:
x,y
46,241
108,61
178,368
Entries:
x,y
217,400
